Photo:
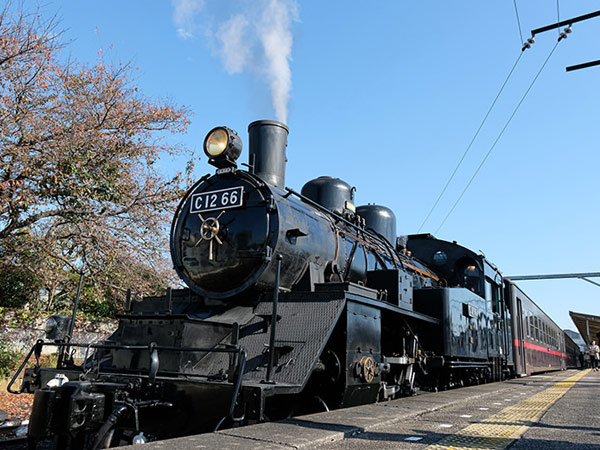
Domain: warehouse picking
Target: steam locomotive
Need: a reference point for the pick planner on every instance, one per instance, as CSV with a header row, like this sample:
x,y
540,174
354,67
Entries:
x,y
296,302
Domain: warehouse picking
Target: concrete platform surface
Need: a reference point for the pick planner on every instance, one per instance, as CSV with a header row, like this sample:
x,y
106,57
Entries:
x,y
559,410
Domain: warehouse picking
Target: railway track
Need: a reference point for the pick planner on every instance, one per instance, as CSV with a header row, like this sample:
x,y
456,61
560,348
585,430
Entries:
x,y
14,443
9,440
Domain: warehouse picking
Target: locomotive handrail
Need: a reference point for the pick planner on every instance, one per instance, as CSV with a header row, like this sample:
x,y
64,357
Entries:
x,y
37,350
146,347
273,322
328,211
236,392
396,256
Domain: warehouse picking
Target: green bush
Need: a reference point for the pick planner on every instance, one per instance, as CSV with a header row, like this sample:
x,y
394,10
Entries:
x,y
9,359
97,310
18,287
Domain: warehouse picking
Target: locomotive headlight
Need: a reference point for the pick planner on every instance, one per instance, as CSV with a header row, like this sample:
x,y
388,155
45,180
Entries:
x,y
223,147
216,142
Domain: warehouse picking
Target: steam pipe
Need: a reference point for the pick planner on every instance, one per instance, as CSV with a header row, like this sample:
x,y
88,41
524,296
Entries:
x,y
114,417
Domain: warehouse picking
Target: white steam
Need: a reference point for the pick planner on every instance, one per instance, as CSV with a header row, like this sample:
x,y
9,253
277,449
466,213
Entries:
x,y
234,51
183,16
277,40
257,37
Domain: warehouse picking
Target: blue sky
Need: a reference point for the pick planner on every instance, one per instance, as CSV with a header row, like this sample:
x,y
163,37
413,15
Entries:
x,y
387,95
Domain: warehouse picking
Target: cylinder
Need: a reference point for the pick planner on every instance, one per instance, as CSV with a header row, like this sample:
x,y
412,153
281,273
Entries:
x,y
267,142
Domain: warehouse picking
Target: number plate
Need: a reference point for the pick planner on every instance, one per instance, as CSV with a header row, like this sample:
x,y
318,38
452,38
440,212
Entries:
x,y
217,200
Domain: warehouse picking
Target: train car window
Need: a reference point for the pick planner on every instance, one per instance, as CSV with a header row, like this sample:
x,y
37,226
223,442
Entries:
x,y
531,332
497,294
543,331
472,278
496,297
532,322
492,294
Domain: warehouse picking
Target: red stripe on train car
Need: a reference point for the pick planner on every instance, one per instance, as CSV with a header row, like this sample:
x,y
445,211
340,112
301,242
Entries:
x,y
539,348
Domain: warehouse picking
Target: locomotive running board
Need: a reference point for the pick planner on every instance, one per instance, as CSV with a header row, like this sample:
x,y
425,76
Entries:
x,y
368,296
467,364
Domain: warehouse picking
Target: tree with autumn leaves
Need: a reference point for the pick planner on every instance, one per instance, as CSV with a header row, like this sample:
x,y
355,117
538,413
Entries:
x,y
79,187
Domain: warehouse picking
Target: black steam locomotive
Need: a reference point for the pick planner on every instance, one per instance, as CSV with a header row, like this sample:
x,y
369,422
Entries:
x,y
297,302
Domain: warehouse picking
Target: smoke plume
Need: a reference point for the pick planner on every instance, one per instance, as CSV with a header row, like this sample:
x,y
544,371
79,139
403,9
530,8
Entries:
x,y
254,36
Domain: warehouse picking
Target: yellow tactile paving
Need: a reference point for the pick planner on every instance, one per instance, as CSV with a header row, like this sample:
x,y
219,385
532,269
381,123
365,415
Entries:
x,y
501,429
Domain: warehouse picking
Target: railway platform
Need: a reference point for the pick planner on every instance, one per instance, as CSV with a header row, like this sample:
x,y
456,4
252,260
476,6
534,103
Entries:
x,y
559,410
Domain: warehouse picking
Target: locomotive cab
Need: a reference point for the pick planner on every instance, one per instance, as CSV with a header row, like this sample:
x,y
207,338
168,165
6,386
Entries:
x,y
475,340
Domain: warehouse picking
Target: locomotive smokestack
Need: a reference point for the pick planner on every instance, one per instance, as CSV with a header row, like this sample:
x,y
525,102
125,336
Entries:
x,y
267,142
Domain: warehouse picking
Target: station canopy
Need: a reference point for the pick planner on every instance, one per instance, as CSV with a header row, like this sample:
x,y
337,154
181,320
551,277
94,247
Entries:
x,y
587,325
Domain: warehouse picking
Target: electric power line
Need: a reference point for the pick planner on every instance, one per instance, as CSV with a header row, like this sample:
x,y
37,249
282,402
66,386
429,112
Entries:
x,y
472,141
558,13
518,21
498,138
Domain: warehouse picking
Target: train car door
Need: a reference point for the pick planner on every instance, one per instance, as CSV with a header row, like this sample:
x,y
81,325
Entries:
x,y
508,333
520,337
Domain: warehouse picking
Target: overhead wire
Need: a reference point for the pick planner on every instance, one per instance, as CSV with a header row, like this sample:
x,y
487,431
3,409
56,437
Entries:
x,y
518,20
558,14
472,141
498,137
437,201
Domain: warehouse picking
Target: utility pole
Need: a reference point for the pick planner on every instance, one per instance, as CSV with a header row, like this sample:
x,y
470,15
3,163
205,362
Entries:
x,y
568,23
582,276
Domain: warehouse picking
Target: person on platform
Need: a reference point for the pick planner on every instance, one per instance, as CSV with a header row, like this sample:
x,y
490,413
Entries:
x,y
594,351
